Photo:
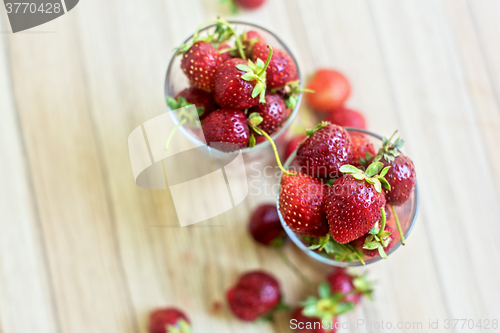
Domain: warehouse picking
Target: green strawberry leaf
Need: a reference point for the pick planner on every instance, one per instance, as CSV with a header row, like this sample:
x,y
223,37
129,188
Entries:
x,y
244,68
384,182
324,290
255,119
248,77
172,103
350,169
374,169
384,171
259,87
200,110
251,141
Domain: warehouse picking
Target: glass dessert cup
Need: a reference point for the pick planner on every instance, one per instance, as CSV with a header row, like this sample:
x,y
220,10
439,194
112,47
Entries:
x,y
176,81
407,214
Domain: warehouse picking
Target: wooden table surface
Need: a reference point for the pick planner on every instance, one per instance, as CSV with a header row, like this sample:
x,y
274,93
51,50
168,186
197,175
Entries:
x,y
83,249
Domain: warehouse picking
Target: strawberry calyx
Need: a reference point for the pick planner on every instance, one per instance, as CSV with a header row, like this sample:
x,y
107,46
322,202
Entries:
x,y
389,150
184,115
181,327
256,71
363,286
328,305
378,238
181,102
223,32
340,252
311,131
371,175
292,91
253,122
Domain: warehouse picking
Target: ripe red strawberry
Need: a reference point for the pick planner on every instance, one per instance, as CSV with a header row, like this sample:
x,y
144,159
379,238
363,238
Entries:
x,y
332,90
169,320
203,100
265,226
281,69
199,64
353,204
225,55
360,242
362,150
346,118
352,286
255,295
231,91
248,39
301,204
292,145
305,324
402,178
226,130
250,4
273,113
325,151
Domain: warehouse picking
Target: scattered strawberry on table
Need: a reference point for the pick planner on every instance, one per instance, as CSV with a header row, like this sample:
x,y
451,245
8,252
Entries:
x,y
332,90
337,201
265,226
169,320
255,296
339,294
234,5
346,117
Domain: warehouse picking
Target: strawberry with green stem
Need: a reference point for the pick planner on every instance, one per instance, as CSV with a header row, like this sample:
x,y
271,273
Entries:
x,y
328,305
169,320
203,101
354,201
241,84
401,176
353,286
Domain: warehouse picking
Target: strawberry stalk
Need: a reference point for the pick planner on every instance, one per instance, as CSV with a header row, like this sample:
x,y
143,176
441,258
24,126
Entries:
x,y
253,121
170,136
399,225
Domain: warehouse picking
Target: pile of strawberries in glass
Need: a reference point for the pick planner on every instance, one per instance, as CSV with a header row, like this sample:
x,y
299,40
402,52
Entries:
x,y
243,88
341,198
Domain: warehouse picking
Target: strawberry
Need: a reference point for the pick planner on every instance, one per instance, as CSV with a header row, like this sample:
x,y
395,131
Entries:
x,y
301,204
255,295
376,246
250,4
203,101
346,118
226,130
325,151
281,69
332,90
265,226
169,320
353,287
199,64
237,86
273,113
362,150
355,201
306,324
292,145
402,176
248,39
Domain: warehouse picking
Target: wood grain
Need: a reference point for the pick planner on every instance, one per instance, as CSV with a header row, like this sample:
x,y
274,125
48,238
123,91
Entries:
x,y
83,249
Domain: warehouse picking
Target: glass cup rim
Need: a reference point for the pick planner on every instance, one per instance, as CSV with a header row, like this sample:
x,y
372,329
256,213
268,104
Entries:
x,y
285,125
295,239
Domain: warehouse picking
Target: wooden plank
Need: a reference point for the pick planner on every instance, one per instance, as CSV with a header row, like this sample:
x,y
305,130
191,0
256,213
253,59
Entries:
x,y
68,181
26,296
